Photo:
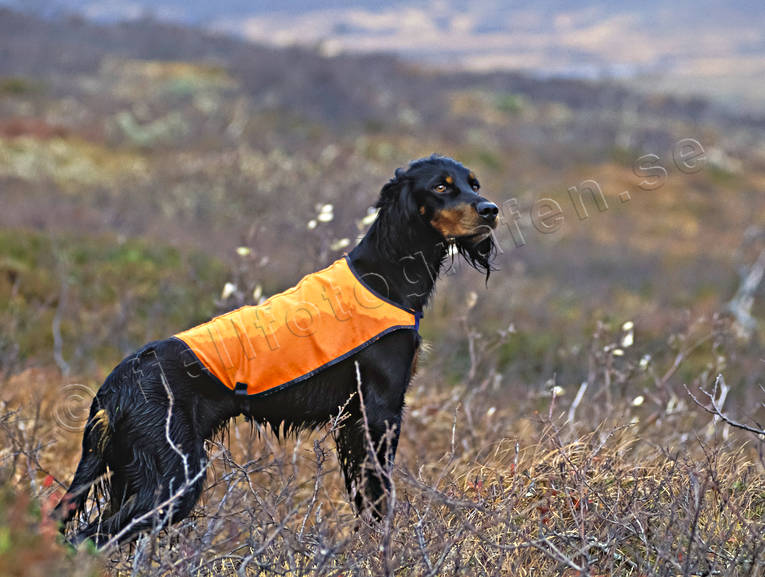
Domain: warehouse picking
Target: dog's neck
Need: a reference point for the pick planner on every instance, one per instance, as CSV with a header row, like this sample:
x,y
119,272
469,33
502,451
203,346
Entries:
x,y
402,267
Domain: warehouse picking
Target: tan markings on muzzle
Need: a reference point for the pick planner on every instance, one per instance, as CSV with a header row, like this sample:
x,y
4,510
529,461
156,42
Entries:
x,y
461,220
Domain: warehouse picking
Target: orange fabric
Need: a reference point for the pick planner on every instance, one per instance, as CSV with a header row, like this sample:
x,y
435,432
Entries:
x,y
328,315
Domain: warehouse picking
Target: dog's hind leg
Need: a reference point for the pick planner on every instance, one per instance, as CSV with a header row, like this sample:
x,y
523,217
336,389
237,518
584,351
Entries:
x,y
164,495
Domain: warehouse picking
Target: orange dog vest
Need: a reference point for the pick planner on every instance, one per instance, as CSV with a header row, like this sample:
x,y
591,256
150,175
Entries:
x,y
328,316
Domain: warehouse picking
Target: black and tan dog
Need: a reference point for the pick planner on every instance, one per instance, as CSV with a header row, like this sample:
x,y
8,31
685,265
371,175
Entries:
x,y
150,418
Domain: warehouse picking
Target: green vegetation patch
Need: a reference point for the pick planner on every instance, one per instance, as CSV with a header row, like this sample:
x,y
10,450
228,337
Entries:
x,y
109,294
69,162
18,86
147,78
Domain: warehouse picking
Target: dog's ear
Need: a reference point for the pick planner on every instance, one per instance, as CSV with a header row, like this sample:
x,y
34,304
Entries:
x,y
396,197
392,189
397,208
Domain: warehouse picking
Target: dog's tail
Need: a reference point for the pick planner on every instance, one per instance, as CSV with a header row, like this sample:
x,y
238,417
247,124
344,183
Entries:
x,y
95,443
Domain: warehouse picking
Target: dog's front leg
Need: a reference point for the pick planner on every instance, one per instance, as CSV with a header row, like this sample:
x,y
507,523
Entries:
x,y
368,439
366,446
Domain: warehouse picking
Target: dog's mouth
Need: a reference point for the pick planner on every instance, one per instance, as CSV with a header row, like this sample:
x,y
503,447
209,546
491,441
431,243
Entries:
x,y
478,248
479,234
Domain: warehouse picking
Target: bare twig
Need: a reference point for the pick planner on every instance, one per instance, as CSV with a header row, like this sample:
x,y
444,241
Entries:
x,y
170,403
577,400
740,306
715,409
58,341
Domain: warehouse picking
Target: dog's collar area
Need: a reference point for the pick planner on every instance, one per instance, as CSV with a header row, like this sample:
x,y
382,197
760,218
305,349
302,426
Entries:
x,y
362,282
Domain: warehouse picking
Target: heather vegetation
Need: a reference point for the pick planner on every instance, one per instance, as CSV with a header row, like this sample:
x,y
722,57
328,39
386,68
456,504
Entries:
x,y
152,176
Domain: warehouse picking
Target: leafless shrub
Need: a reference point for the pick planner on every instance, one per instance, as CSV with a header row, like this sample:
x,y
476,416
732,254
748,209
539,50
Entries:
x,y
486,482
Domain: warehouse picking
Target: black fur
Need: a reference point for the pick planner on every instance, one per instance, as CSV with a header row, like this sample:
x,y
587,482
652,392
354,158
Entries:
x,y
400,256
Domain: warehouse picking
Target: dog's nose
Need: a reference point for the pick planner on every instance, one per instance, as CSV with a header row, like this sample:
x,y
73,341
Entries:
x,y
487,210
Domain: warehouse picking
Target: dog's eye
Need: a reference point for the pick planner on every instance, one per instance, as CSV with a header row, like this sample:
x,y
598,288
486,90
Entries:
x,y
440,187
475,186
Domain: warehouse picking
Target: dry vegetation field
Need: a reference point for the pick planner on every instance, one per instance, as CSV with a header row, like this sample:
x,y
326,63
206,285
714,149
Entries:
x,y
552,428
484,485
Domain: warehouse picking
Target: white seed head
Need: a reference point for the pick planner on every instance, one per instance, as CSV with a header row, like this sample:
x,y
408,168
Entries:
x,y
228,289
370,217
340,244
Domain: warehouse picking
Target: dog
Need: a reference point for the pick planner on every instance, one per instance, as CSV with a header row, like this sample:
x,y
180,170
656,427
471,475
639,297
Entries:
x,y
149,420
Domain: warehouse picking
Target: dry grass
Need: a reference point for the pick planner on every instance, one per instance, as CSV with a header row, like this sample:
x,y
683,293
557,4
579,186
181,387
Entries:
x,y
482,487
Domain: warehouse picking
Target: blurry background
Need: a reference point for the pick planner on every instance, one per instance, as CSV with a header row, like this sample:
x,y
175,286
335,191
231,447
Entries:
x,y
142,143
689,46
163,161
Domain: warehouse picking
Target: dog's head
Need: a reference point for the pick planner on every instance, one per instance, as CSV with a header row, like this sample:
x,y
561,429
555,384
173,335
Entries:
x,y
444,195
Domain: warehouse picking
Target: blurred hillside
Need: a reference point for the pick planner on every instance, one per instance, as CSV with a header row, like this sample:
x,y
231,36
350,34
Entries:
x,y
203,143
152,175
703,47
